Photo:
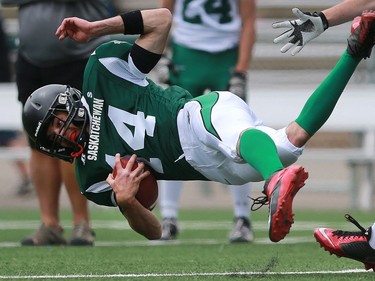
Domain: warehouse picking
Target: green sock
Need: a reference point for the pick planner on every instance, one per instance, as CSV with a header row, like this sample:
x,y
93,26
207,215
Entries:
x,y
259,150
321,103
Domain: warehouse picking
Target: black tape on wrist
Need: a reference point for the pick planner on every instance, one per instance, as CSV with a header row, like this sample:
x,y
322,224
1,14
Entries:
x,y
143,59
324,20
133,22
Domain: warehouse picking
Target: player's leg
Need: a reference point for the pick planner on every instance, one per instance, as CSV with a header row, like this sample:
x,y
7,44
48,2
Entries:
x,y
217,78
242,229
189,69
169,196
259,150
322,102
193,70
282,186
233,138
360,245
185,72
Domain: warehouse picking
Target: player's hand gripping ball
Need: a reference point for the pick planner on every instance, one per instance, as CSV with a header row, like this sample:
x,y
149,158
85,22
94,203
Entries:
x,y
148,190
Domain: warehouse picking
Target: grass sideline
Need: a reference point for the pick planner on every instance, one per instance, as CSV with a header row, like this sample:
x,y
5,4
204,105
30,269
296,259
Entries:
x,y
202,251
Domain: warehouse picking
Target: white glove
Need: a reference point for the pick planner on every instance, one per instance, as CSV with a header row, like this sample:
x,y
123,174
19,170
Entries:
x,y
302,30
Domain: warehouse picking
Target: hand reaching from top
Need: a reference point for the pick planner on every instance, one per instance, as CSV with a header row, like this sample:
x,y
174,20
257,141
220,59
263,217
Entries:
x,y
301,31
78,29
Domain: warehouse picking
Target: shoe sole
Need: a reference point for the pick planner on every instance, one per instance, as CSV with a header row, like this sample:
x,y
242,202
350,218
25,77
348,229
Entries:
x,y
280,211
337,252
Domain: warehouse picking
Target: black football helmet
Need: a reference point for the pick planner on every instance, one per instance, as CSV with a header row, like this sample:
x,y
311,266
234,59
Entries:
x,y
41,109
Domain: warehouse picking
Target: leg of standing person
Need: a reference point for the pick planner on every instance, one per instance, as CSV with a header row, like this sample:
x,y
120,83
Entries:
x,y
49,174
46,178
170,192
169,197
242,229
44,60
82,233
197,78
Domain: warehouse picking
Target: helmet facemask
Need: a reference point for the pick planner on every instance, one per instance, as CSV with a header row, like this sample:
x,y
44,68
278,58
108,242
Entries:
x,y
58,145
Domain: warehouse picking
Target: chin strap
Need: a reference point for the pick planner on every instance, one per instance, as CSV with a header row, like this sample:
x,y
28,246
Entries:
x,y
73,138
77,153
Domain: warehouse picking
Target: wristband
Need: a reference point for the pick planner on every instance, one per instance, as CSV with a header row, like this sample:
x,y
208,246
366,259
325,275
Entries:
x,y
133,22
324,20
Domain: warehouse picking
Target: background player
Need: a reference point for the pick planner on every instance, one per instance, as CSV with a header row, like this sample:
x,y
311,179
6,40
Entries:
x,y
211,45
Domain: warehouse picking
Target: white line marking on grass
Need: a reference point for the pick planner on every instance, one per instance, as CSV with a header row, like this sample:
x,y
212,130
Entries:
x,y
184,225
193,274
147,243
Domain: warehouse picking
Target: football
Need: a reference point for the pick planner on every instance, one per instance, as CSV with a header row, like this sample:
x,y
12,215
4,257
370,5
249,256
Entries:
x,y
148,189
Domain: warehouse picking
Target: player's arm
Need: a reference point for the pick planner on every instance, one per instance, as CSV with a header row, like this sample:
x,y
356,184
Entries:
x,y
125,186
247,10
310,25
347,10
238,81
300,31
153,26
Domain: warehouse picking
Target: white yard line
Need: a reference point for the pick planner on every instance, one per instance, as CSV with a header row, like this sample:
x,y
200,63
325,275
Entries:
x,y
193,274
202,225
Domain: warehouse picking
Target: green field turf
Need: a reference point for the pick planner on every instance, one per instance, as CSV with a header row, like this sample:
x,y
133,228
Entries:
x,y
202,251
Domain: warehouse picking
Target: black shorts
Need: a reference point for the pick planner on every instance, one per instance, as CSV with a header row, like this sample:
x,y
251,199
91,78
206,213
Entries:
x,y
30,77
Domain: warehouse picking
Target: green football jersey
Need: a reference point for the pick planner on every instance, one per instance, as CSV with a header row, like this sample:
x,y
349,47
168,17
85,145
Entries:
x,y
130,114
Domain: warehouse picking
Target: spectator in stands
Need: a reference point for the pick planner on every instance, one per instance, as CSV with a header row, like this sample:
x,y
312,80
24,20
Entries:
x,y
43,60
